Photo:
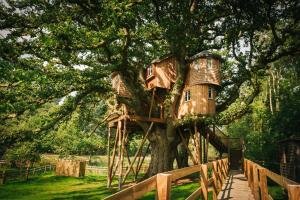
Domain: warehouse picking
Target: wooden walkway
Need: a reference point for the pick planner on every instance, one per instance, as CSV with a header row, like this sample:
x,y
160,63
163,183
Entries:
x,y
236,187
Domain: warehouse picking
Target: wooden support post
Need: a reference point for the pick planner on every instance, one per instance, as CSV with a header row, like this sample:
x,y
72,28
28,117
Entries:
x,y
164,186
129,161
144,156
204,181
206,149
108,157
187,148
138,151
196,146
152,101
219,170
255,182
124,133
249,173
113,159
119,154
294,192
245,168
263,183
215,180
198,134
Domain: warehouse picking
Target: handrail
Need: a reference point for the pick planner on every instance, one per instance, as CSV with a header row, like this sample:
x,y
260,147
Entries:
x,y
257,180
162,182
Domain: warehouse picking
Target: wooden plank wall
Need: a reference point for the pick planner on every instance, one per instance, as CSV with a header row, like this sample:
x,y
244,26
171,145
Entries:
x,y
199,103
164,73
203,76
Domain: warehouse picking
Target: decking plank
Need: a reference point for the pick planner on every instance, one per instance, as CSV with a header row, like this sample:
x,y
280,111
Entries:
x,y
235,187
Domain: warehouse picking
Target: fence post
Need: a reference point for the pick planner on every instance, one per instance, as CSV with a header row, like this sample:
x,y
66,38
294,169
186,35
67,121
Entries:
x,y
249,173
164,186
245,168
204,181
294,192
219,170
263,184
215,180
255,182
3,177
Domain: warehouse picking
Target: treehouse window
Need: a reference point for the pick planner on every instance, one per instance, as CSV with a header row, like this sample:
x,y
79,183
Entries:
x,y
150,71
187,95
208,63
197,65
210,93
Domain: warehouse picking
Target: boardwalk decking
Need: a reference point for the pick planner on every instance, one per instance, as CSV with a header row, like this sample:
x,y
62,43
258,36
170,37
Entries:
x,y
236,187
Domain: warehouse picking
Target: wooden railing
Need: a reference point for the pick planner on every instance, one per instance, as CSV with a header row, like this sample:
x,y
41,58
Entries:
x,y
23,174
162,182
257,180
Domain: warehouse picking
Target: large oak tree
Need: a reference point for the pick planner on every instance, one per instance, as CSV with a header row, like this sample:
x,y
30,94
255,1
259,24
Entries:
x,y
49,49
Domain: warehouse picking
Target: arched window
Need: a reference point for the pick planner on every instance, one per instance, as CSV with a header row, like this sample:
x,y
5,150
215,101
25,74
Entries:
x,y
210,93
187,96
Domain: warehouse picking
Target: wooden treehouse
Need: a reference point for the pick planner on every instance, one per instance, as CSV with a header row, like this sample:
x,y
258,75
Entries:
x,y
290,158
198,98
199,94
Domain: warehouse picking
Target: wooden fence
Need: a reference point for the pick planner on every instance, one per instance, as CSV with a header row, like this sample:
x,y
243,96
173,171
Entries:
x,y
23,174
257,180
103,170
162,182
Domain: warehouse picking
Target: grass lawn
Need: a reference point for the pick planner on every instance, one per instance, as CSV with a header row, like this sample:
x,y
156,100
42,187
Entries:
x,y
49,186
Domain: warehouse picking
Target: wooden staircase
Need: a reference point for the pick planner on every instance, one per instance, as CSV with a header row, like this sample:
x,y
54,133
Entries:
x,y
217,139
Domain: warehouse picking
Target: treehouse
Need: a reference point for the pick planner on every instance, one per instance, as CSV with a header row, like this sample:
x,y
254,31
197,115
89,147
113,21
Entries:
x,y
118,85
290,158
199,94
161,73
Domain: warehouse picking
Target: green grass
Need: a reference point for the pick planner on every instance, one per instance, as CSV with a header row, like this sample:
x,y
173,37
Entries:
x,y
277,192
177,192
51,187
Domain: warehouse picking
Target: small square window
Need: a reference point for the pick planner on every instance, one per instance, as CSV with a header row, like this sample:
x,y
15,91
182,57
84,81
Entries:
x,y
187,96
149,71
208,63
210,93
197,65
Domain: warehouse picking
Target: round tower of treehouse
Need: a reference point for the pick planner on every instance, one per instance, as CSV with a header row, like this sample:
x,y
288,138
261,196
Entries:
x,y
199,94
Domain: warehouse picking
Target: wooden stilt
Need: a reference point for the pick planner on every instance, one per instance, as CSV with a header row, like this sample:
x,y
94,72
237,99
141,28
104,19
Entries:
x,y
203,149
200,142
119,154
206,150
140,166
108,157
113,159
124,133
185,144
139,149
152,101
129,161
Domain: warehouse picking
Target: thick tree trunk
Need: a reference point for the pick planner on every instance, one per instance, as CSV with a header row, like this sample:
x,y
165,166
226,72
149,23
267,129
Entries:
x,y
163,151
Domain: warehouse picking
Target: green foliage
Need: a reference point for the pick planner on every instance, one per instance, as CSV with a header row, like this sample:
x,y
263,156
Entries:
x,y
22,152
51,50
262,129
